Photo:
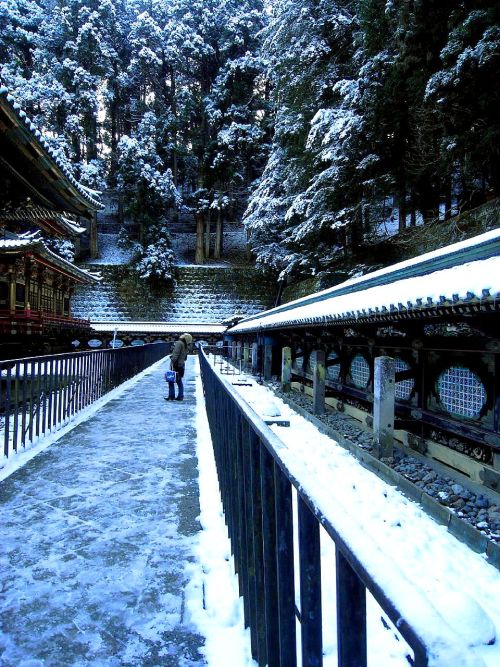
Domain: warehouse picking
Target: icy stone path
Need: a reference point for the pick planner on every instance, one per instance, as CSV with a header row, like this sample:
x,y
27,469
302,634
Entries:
x,y
96,536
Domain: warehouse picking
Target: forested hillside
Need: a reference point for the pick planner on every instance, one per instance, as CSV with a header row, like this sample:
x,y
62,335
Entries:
x,y
324,125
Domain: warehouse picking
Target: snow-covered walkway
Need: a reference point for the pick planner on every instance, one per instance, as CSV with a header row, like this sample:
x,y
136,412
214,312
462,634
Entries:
x,y
98,533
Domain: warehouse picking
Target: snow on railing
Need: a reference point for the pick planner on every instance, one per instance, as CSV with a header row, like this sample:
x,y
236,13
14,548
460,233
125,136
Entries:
x,y
270,540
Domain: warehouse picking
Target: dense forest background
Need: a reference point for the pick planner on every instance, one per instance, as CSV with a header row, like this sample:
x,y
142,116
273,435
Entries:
x,y
323,124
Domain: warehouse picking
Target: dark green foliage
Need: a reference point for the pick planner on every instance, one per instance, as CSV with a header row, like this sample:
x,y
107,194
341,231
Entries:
x,y
386,118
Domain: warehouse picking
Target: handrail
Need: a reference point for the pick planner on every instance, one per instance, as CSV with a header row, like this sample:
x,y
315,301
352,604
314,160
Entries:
x,y
256,490
41,317
39,394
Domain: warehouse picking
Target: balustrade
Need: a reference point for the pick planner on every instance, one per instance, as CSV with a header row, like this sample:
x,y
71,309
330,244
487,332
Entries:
x,y
39,394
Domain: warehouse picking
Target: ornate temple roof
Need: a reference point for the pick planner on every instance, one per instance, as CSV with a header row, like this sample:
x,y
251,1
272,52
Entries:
x,y
32,244
28,158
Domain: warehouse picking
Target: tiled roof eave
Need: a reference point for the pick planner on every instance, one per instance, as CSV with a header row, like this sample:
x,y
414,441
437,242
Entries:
x,y
34,135
38,214
479,248
435,311
37,247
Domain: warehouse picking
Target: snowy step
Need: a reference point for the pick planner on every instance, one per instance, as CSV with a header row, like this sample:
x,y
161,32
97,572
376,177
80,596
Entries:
x,y
201,294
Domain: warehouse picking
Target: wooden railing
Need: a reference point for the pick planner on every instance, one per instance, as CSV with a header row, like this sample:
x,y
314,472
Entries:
x,y
37,321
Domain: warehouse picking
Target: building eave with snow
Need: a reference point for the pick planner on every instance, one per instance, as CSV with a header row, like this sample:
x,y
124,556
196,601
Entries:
x,y
38,193
461,278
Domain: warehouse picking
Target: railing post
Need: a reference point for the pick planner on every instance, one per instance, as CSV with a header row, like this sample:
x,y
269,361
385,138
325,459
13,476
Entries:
x,y
249,521
284,555
383,406
319,377
258,545
268,494
310,587
351,615
286,368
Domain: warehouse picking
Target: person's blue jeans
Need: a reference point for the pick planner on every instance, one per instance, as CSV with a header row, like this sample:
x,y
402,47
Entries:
x,y
180,386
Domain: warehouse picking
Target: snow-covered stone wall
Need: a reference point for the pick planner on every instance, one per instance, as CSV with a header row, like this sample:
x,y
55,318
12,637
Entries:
x,y
201,294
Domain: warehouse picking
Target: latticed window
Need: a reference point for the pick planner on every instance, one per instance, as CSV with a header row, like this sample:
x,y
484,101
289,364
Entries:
x,y
403,388
33,296
47,299
298,363
461,392
332,372
360,371
311,364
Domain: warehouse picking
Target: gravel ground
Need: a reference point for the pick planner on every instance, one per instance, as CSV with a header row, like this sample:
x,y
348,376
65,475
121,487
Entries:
x,y
474,508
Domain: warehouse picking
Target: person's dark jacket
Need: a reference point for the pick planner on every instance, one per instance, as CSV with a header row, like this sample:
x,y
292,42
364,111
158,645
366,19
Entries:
x,y
179,356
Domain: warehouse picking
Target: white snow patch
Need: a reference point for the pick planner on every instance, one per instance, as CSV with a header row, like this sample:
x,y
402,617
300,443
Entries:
x,y
212,597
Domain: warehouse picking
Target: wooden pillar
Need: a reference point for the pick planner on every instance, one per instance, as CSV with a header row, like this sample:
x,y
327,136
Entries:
x,y
246,353
255,357
12,289
234,350
27,283
286,368
383,406
319,383
268,358
238,350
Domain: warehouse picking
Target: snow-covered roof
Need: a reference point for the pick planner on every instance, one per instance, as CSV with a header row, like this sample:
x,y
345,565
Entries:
x,y
89,197
31,242
158,327
44,218
463,273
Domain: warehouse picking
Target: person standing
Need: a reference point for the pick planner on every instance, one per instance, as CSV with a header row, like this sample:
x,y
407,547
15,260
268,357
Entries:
x,y
177,364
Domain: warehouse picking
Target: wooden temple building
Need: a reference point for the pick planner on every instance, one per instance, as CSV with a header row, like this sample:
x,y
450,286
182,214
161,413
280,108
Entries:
x,y
434,319
38,197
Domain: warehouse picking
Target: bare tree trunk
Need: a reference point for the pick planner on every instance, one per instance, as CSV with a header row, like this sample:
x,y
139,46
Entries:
x,y
94,249
447,199
199,255
218,236
402,208
207,235
413,210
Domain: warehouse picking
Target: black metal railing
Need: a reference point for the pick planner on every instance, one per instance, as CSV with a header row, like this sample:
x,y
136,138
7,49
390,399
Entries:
x,y
256,489
38,394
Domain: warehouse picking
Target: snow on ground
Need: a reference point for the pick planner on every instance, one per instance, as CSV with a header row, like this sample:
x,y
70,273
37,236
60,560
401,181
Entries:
x,y
445,590
448,592
212,598
110,253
